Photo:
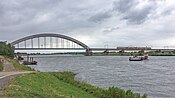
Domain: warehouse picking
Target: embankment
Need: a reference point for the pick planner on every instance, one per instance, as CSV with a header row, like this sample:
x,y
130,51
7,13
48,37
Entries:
x,y
60,85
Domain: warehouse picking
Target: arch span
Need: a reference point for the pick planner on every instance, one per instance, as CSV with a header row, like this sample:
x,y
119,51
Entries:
x,y
50,35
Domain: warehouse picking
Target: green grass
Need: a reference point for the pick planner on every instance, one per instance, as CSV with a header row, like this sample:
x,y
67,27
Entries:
x,y
43,85
166,53
60,85
19,66
1,67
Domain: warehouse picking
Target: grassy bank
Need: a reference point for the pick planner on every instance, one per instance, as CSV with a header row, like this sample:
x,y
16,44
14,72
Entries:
x,y
19,66
60,85
43,85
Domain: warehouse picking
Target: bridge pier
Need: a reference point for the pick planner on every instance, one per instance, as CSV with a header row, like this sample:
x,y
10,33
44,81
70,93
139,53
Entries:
x,y
88,52
106,52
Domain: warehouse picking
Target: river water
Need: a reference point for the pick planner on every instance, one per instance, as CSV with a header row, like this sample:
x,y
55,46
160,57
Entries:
x,y
155,77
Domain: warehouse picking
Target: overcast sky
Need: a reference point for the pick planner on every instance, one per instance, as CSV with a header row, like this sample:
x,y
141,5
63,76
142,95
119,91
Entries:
x,y
94,22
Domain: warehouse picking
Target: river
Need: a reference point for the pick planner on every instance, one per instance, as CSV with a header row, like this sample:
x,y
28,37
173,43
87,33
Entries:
x,y
155,77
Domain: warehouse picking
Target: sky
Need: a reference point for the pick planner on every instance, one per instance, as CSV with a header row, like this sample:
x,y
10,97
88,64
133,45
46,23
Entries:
x,y
96,23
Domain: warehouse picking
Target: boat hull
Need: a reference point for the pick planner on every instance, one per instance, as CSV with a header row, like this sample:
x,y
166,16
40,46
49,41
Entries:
x,y
135,59
30,63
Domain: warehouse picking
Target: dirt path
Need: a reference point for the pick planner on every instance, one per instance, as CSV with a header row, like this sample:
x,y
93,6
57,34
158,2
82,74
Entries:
x,y
8,67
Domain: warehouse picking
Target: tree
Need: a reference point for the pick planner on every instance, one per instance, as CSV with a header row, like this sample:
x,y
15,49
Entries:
x,y
6,49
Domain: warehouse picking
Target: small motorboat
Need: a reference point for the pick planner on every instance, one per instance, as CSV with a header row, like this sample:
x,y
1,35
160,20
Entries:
x,y
136,58
30,63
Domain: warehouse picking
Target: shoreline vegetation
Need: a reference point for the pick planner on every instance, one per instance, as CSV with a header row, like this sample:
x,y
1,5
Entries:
x,y
61,85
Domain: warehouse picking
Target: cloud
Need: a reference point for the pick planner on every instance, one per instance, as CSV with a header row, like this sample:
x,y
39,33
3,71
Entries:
x,y
96,23
99,17
111,29
124,5
133,11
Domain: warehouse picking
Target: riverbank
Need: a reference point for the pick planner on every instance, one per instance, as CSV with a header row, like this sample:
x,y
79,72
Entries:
x,y
9,64
60,85
18,66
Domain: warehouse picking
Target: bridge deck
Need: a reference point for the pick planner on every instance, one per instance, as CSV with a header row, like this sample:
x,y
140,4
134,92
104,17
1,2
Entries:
x,y
93,49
